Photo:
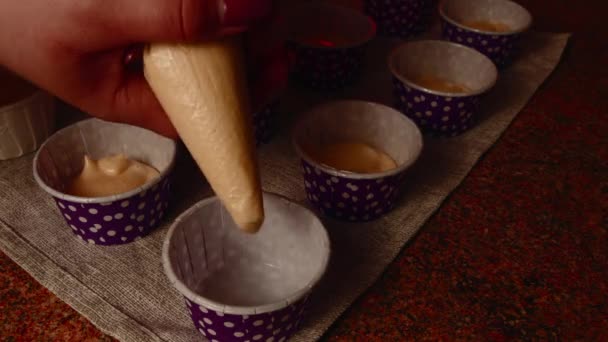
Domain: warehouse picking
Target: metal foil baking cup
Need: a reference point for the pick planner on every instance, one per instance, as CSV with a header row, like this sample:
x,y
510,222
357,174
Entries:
x,y
110,220
327,44
246,287
347,195
439,112
500,47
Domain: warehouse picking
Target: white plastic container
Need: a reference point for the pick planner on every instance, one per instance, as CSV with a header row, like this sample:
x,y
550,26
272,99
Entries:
x,y
26,124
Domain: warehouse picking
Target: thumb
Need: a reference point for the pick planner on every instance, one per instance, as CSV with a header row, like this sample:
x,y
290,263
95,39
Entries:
x,y
182,20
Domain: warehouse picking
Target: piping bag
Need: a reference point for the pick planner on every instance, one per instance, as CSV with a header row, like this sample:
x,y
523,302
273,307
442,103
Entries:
x,y
202,87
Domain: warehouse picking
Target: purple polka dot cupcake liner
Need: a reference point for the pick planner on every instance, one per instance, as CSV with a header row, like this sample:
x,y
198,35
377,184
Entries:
x,y
401,18
264,123
246,287
111,220
500,47
436,114
439,112
121,221
349,199
323,55
346,195
276,326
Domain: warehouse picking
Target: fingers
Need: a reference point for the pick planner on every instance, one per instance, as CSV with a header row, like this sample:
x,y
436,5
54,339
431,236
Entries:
x,y
135,104
132,100
179,20
101,86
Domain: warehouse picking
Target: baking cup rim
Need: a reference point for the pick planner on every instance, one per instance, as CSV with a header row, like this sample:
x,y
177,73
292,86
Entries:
x,y
200,300
522,29
105,199
403,79
354,175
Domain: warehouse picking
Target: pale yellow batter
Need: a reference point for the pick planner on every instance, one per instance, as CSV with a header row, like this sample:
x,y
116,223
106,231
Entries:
x,y
490,26
439,84
352,156
109,176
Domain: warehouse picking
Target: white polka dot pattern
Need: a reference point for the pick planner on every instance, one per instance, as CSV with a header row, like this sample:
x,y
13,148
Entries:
x,y
269,327
350,199
443,115
114,223
499,48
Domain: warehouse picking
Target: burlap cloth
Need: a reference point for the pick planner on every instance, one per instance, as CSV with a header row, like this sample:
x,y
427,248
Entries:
x,y
124,291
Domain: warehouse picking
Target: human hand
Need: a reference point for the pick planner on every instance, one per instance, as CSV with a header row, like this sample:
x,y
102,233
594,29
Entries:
x,y
88,53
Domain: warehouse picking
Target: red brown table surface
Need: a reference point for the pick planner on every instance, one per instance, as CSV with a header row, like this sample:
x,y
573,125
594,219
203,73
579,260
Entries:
x,y
518,251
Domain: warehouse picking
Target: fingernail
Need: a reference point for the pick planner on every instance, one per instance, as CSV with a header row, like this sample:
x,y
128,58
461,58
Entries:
x,y
239,13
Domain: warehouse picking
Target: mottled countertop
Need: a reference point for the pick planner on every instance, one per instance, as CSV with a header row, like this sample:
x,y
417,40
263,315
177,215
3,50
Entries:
x,y
518,252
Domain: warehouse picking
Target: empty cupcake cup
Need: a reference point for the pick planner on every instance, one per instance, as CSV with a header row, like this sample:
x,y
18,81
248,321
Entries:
x,y
327,44
111,220
353,196
492,27
438,84
27,116
246,287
